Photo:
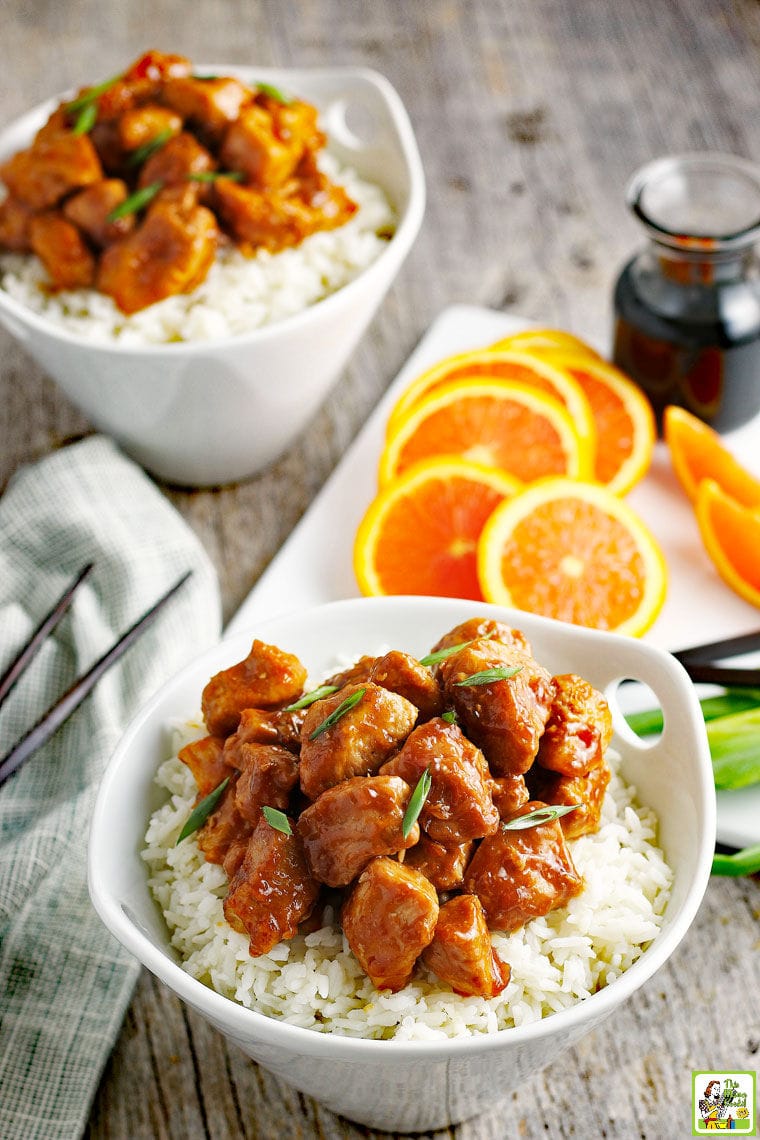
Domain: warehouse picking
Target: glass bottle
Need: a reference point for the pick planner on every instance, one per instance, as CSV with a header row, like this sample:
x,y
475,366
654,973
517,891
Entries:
x,y
687,307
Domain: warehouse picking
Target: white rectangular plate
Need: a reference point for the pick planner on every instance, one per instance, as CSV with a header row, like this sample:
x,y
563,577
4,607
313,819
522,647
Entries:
x,y
315,564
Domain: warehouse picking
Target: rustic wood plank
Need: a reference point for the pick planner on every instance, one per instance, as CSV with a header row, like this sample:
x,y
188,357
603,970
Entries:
x,y
530,116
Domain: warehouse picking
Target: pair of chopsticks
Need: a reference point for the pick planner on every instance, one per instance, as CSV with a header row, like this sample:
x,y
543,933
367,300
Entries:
x,y
699,662
71,699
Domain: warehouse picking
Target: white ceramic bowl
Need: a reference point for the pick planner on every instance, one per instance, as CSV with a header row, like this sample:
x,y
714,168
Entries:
x,y
205,413
392,1085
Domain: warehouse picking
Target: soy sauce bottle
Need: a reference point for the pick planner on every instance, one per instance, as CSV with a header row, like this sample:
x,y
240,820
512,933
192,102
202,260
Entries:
x,y
687,307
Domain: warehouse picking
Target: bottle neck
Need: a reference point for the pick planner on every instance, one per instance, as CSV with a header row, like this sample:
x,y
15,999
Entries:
x,y
700,266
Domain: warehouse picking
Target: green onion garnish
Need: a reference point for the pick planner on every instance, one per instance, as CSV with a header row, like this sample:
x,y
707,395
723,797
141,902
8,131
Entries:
x,y
91,95
86,120
135,201
202,811
486,676
344,707
310,697
416,803
746,862
277,819
449,716
538,816
732,721
442,654
141,153
275,93
214,175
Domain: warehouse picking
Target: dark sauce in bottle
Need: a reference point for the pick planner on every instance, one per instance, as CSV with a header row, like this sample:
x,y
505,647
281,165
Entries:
x,y
687,308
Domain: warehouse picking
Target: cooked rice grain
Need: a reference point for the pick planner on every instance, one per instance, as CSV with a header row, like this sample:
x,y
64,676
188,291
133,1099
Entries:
x,y
314,980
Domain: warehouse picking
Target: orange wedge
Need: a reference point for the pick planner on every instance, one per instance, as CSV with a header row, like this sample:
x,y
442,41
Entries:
x,y
419,535
487,364
697,452
576,552
495,422
536,340
624,420
731,534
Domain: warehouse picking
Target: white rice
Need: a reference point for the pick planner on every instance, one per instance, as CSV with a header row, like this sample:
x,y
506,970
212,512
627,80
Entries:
x,y
315,981
239,294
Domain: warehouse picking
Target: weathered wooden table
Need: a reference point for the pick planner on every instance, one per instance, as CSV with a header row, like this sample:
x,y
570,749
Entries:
x,y
530,116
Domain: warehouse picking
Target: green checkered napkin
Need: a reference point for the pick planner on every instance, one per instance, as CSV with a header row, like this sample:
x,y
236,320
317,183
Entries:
x,y
64,981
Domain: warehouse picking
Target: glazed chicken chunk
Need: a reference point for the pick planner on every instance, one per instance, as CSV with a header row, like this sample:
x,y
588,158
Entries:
x,y
359,742
504,717
351,823
476,629
518,875
205,759
579,727
585,790
461,952
272,891
509,794
459,804
268,775
403,674
389,918
264,726
56,163
63,252
225,830
268,677
442,863
89,210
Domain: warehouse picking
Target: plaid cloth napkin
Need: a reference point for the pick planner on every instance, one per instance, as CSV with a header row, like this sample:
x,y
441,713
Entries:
x,y
64,982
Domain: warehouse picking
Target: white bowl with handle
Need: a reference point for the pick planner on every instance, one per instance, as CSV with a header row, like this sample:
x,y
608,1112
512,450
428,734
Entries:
x,y
415,1085
209,412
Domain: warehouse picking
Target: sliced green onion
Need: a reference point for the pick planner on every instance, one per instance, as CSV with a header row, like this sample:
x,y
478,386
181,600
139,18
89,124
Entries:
x,y
416,802
746,862
649,721
135,201
214,175
732,721
442,654
310,697
275,93
86,120
735,749
202,811
91,95
486,676
538,816
277,819
141,153
449,716
333,717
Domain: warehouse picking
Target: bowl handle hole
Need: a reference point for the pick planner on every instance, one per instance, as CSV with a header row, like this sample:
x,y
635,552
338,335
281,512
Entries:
x,y
352,124
637,713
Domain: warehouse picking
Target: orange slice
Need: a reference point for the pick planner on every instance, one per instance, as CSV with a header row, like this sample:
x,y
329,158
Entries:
x,y
625,425
536,340
419,535
697,452
731,534
487,364
576,552
495,422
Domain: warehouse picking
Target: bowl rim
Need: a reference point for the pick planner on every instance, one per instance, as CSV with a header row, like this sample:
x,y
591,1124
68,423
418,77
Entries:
x,y
238,1020
388,260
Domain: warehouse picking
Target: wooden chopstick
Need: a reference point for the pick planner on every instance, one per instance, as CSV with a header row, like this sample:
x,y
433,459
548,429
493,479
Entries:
x,y
66,704
43,630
